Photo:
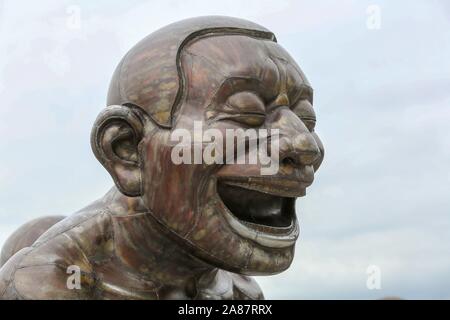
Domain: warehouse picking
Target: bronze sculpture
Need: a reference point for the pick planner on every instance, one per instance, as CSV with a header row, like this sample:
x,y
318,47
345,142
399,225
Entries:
x,y
180,231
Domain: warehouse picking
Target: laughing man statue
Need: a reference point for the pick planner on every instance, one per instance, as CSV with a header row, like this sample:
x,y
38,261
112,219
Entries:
x,y
180,231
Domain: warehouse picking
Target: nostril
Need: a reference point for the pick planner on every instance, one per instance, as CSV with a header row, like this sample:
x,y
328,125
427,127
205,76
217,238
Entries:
x,y
288,161
301,159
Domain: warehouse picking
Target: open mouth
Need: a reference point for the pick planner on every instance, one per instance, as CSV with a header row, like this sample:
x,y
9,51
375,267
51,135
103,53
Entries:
x,y
259,212
257,207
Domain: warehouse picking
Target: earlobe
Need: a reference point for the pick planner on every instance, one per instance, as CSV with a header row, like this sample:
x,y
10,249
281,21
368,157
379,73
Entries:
x,y
115,141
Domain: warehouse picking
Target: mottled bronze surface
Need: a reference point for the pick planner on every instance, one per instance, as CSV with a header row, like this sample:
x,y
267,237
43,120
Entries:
x,y
180,231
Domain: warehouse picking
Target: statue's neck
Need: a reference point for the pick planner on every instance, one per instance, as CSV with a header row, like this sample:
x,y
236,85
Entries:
x,y
143,245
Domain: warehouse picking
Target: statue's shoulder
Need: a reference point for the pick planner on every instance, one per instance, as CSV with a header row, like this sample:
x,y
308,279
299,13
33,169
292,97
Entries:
x,y
246,288
43,270
32,274
26,235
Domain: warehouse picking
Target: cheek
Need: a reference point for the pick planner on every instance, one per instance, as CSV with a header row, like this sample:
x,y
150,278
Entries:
x,y
170,190
212,234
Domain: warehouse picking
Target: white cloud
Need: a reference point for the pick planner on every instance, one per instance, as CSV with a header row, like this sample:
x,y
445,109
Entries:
x,y
381,196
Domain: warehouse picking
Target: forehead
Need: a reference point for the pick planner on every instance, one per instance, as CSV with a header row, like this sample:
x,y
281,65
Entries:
x,y
239,62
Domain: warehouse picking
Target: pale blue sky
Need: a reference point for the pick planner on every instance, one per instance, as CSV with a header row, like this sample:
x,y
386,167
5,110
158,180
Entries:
x,y
383,103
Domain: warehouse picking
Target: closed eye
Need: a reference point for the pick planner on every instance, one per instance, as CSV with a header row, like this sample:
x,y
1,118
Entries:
x,y
249,119
304,110
310,123
244,107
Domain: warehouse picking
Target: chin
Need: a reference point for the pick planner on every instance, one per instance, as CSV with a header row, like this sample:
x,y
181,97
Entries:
x,y
259,265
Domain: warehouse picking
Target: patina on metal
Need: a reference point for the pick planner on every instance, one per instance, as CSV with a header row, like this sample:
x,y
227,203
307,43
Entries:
x,y
180,231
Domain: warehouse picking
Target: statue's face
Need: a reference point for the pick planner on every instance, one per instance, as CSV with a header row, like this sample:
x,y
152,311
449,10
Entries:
x,y
230,214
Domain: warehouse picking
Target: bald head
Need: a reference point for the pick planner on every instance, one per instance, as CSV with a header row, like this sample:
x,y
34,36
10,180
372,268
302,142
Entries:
x,y
216,67
149,76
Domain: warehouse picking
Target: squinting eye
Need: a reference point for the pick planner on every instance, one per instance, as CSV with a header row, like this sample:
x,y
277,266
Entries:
x,y
246,108
246,101
251,120
310,124
304,110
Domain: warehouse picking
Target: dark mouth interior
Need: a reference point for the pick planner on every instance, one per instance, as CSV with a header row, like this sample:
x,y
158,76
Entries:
x,y
257,207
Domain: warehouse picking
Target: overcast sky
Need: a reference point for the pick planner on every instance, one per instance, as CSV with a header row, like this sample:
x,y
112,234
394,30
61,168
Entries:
x,y
381,74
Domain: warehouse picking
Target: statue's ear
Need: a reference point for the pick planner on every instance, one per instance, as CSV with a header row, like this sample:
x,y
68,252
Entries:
x,y
115,141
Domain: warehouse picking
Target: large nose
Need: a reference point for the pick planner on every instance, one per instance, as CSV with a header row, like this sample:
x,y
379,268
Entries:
x,y
297,146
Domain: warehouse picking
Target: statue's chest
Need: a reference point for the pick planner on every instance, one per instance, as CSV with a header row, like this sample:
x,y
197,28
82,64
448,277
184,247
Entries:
x,y
114,283
110,291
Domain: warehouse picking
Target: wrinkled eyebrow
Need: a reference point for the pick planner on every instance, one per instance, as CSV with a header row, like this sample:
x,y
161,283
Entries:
x,y
236,84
